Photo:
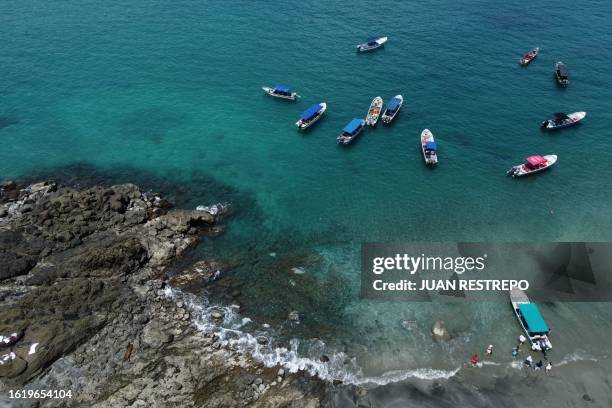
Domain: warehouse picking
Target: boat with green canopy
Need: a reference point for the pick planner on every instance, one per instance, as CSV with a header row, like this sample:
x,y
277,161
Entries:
x,y
531,320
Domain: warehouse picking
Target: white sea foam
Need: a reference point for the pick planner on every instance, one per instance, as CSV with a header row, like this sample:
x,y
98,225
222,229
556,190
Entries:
x,y
516,364
575,356
402,375
338,367
490,363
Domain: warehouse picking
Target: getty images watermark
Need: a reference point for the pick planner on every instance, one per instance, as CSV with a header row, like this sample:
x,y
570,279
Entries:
x,y
456,271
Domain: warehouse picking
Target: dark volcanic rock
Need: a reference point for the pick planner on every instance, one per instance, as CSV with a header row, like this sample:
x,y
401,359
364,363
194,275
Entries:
x,y
80,282
12,264
200,272
13,367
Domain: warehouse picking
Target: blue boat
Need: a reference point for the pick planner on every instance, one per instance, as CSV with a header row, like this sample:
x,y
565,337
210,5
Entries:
x,y
351,131
282,92
429,147
311,115
392,109
562,74
531,320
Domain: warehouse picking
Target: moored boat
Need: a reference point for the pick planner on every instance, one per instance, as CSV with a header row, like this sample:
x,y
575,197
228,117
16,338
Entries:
x,y
351,131
533,164
429,147
280,92
372,43
561,120
392,109
311,115
530,56
562,74
531,320
374,111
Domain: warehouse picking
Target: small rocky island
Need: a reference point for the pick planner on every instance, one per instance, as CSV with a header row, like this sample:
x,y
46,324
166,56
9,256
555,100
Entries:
x,y
83,307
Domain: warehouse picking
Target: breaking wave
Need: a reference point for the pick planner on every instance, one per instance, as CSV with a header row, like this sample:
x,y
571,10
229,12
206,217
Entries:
x,y
298,355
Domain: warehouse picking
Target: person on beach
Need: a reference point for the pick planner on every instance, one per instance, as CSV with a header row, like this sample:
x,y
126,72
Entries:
x,y
522,339
490,350
474,360
543,347
528,361
548,368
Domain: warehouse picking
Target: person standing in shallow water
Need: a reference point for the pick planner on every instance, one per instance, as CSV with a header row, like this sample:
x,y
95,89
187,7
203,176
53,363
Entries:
x,y
490,350
474,360
548,368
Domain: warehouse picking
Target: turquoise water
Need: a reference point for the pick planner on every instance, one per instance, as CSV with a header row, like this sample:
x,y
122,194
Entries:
x,y
173,90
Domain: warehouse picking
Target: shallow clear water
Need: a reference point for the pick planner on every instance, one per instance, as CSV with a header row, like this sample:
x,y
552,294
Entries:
x,y
172,90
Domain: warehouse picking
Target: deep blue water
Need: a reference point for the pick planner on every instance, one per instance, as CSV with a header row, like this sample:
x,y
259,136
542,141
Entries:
x,y
172,89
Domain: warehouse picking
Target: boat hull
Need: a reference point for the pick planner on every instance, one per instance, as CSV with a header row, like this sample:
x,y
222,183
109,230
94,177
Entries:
x,y
345,139
387,116
301,125
373,115
270,91
518,297
522,171
563,81
575,117
431,158
369,47
529,57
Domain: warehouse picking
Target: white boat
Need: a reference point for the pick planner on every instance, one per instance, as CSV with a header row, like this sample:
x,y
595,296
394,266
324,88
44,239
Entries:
x,y
429,147
374,111
311,115
561,120
531,320
533,164
351,131
280,92
392,108
372,43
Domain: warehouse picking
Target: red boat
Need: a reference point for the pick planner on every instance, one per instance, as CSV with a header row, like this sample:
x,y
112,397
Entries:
x,y
530,56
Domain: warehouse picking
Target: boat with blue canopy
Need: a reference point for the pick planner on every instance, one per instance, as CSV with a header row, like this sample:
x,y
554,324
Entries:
x,y
280,91
311,115
562,74
392,109
429,147
372,43
561,120
351,131
531,320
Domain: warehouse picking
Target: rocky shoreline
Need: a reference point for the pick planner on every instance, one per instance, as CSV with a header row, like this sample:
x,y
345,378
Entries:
x,y
84,308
